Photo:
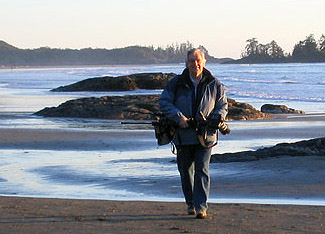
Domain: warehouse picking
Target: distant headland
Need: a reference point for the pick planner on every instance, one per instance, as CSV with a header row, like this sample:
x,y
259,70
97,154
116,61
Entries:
x,y
11,56
309,50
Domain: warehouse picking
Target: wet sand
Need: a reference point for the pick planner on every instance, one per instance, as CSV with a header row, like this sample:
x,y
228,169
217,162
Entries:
x,y
281,127
68,139
277,177
37,215
297,178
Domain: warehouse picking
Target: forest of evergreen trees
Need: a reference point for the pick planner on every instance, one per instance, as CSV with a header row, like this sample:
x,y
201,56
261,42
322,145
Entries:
x,y
307,51
176,53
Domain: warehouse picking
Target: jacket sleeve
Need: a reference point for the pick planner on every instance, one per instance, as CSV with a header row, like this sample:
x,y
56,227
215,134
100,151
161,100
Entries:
x,y
220,110
166,101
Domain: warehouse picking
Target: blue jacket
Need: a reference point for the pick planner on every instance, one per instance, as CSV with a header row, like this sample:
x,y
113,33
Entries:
x,y
178,99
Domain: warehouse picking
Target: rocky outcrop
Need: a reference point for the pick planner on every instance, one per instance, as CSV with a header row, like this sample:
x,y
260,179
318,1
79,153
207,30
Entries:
x,y
314,147
243,111
279,109
237,110
138,107
120,83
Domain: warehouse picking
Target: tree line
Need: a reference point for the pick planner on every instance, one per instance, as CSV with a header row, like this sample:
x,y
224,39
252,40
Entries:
x,y
305,51
45,56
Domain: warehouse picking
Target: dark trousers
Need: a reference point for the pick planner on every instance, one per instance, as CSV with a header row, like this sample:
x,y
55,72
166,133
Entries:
x,y
193,165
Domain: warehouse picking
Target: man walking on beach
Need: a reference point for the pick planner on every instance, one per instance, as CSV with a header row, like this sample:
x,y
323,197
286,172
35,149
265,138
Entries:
x,y
194,96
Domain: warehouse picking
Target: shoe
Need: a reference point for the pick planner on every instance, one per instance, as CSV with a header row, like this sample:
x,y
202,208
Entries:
x,y
202,214
191,211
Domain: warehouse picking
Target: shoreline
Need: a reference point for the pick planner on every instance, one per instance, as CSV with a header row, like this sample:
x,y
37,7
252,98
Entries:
x,y
117,164
140,64
104,156
91,66
221,200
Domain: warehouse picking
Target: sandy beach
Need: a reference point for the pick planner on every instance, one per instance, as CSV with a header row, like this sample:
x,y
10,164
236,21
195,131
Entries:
x,y
35,215
297,180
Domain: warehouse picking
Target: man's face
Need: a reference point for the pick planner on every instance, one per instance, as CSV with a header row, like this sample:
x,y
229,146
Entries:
x,y
195,64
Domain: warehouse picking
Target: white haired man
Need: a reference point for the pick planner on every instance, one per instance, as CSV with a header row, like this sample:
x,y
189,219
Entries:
x,y
195,94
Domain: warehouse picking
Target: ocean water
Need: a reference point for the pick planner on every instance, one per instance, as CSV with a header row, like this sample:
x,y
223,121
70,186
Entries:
x,y
146,172
299,86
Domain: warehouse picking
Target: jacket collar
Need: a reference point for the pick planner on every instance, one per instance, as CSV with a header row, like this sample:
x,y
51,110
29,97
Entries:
x,y
185,79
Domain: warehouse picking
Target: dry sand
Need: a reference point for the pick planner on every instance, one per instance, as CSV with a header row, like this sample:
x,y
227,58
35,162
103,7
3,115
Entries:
x,y
36,215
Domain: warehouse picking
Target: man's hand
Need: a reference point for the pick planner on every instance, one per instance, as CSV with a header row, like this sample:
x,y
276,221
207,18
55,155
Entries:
x,y
183,122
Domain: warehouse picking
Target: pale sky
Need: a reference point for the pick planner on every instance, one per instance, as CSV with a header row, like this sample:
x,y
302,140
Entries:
x,y
221,26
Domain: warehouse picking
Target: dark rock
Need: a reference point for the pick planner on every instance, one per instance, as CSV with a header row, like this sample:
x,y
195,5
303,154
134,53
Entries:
x,y
99,84
152,80
279,109
138,107
314,147
120,83
244,111
107,107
